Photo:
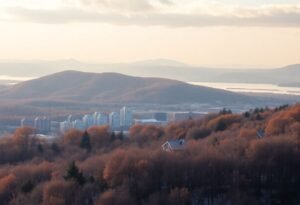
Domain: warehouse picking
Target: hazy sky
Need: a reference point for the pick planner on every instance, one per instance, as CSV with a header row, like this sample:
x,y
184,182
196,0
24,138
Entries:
x,y
203,32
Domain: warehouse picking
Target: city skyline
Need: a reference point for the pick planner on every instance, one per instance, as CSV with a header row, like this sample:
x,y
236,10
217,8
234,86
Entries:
x,y
119,121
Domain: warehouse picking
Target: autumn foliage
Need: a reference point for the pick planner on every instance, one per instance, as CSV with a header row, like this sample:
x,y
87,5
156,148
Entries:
x,y
225,162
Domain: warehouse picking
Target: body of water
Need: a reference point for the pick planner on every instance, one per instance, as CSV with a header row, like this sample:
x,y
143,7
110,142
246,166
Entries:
x,y
251,87
14,78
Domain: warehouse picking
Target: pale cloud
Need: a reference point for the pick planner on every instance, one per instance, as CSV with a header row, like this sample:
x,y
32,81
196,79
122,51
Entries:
x,y
128,6
123,5
162,13
206,32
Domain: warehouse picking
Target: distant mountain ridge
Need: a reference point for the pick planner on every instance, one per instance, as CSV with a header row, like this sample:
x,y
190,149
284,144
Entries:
x,y
164,68
293,68
115,88
286,75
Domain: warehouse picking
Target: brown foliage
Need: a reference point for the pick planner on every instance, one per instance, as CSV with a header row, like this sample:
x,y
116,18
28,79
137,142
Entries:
x,y
222,122
223,163
99,136
144,134
249,133
23,138
7,185
34,173
286,121
197,133
72,137
113,197
58,193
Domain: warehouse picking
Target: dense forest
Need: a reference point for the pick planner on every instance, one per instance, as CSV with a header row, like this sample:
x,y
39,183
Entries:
x,y
250,158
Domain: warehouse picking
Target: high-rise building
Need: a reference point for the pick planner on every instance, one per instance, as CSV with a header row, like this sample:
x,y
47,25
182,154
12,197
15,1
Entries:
x,y
78,124
25,122
54,127
125,118
42,125
102,119
114,120
38,123
70,118
65,126
45,125
88,121
95,116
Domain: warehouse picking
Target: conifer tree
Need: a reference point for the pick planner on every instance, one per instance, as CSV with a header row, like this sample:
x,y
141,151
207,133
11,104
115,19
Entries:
x,y
85,141
73,173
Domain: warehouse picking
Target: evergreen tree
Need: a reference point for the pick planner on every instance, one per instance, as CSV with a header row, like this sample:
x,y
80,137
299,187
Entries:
x,y
224,111
80,179
85,141
73,173
120,136
27,187
247,114
40,148
258,117
55,148
113,136
221,126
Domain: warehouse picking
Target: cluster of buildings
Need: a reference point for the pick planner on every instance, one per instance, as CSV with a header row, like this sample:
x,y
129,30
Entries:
x,y
41,124
120,120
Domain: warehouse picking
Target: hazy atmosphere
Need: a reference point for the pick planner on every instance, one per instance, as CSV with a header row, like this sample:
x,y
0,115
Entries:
x,y
149,102
234,34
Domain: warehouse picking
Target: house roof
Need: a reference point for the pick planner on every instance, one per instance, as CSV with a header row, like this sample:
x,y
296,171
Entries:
x,y
260,133
176,144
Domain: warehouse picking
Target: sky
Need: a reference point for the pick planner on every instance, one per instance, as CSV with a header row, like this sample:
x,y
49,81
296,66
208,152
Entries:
x,y
226,33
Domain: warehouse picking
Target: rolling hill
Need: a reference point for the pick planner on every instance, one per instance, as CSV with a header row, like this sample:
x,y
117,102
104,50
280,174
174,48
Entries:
x,y
77,86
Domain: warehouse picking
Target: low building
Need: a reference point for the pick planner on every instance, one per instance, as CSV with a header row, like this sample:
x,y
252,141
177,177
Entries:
x,y
181,116
54,127
150,122
160,116
174,145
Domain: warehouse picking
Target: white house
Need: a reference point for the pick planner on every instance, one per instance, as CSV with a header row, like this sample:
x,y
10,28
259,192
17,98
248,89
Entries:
x,y
260,133
174,145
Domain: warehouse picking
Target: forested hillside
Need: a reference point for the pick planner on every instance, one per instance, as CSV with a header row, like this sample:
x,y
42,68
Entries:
x,y
253,158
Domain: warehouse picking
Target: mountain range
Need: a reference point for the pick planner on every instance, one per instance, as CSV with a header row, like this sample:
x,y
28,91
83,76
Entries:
x,y
164,68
